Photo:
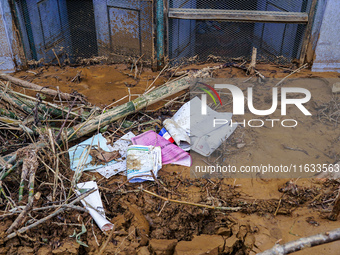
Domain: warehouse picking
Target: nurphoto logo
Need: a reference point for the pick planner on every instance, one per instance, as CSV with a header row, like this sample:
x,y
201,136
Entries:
x,y
239,104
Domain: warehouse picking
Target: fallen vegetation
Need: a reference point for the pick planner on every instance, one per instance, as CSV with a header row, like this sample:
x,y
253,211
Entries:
x,y
40,209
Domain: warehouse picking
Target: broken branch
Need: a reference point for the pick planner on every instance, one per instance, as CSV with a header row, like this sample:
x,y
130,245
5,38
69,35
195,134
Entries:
x,y
295,71
251,67
60,210
35,87
303,243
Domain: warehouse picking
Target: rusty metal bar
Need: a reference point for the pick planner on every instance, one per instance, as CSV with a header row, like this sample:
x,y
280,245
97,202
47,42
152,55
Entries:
x,y
239,15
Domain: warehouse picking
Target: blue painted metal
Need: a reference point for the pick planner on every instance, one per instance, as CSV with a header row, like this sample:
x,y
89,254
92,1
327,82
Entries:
x,y
279,42
48,28
160,32
182,39
29,30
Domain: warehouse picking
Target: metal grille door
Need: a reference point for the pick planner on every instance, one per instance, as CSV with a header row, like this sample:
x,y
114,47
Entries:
x,y
74,30
229,29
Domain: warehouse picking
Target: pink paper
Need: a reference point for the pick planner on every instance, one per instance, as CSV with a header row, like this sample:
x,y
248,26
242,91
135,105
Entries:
x,y
171,153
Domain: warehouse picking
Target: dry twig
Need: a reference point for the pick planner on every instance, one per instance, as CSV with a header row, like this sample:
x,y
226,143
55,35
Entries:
x,y
193,204
60,210
295,71
35,87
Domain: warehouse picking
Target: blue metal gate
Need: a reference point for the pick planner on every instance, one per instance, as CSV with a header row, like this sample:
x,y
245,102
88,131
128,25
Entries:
x,y
47,30
229,29
76,29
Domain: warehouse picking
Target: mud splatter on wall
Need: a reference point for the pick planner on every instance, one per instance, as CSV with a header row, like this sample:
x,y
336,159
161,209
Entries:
x,y
123,28
9,43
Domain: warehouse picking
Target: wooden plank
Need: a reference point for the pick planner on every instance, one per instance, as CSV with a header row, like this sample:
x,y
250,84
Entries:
x,y
308,32
238,15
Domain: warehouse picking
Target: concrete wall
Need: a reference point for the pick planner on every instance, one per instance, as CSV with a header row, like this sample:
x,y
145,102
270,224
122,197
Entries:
x,y
327,52
11,53
6,53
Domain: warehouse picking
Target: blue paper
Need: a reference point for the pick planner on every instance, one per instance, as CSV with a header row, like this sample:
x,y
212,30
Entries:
x,y
78,153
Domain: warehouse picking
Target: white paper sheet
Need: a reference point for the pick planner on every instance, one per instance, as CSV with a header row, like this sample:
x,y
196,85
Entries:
x,y
94,205
182,117
79,158
179,135
204,138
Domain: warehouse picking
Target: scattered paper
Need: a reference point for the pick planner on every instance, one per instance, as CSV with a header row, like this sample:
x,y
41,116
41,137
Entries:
x,y
171,154
178,134
80,154
141,160
81,159
182,117
94,205
204,138
119,166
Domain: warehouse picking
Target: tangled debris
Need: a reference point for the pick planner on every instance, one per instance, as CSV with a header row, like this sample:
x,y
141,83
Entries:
x,y
40,211
330,112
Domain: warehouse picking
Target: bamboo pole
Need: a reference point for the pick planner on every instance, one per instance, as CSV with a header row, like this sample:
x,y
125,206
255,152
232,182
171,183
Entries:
x,y
251,67
8,120
26,106
92,124
7,172
135,105
41,107
31,166
32,86
7,113
49,105
303,243
24,173
7,98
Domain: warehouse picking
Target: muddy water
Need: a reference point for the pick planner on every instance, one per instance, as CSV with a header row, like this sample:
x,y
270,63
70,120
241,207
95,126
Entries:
x,y
101,84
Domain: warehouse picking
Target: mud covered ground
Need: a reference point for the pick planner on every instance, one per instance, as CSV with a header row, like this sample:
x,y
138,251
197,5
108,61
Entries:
x,y
273,210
